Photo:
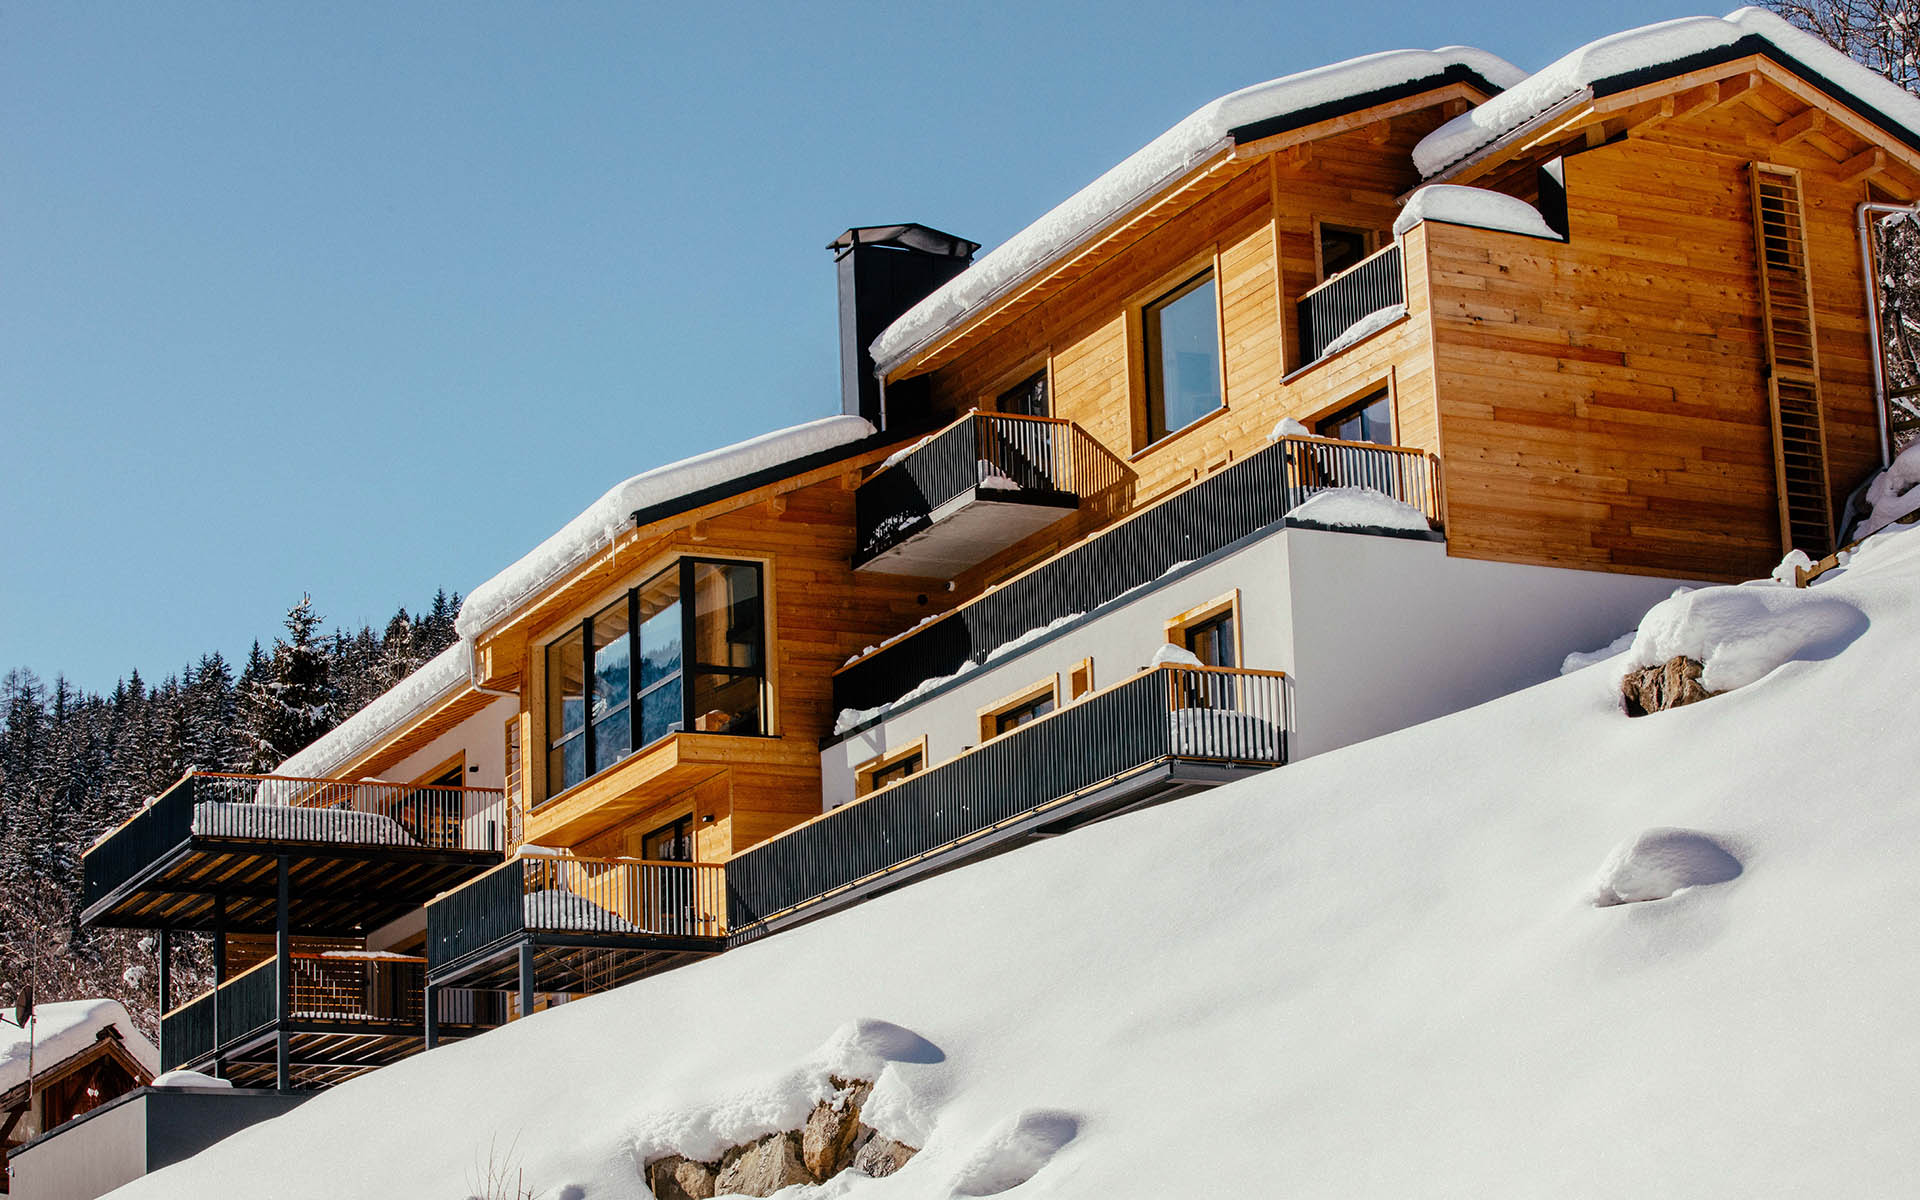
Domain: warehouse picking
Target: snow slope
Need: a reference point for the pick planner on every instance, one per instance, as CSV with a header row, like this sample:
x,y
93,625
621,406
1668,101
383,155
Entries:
x,y
1378,972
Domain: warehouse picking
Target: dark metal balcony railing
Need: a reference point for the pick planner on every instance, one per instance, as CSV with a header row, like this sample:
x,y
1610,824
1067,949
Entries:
x,y
1231,504
388,990
288,809
1206,714
566,894
1344,301
1003,454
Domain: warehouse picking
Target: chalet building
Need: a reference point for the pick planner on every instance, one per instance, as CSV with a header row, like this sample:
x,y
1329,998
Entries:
x,y
62,1061
1356,398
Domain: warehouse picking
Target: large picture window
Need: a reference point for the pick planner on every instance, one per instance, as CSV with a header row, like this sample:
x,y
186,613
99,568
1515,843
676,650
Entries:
x,y
686,650
1182,333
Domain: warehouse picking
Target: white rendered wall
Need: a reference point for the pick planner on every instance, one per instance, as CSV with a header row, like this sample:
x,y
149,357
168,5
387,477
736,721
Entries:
x,y
1376,633
482,737
87,1161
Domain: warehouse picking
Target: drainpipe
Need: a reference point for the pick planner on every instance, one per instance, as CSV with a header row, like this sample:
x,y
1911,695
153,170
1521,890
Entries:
x,y
1870,276
473,665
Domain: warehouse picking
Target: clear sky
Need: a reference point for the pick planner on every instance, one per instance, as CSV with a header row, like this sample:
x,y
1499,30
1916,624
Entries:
x,y
364,300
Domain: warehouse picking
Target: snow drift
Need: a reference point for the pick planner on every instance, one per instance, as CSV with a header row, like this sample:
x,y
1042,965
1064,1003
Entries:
x,y
1377,972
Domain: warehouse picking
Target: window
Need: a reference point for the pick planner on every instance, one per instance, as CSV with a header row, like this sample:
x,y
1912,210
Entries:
x,y
1080,679
1369,419
697,634
1341,248
1211,631
876,773
1024,706
1028,398
672,842
1182,334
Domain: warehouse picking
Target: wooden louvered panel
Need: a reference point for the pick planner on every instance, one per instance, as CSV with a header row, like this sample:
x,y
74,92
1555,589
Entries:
x,y
514,776
1793,360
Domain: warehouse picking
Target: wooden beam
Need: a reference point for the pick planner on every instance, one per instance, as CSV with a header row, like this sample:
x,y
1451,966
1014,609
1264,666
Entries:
x,y
1806,121
1737,88
1864,165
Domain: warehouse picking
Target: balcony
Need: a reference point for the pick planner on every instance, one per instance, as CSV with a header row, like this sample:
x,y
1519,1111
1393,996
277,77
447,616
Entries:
x,y
206,853
1352,304
982,484
1161,734
1208,517
345,1013
565,924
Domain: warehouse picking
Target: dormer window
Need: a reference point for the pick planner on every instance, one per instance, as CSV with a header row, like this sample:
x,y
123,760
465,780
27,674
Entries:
x,y
685,650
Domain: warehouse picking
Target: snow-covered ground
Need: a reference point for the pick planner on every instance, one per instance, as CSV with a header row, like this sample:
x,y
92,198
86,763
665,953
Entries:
x,y
1407,968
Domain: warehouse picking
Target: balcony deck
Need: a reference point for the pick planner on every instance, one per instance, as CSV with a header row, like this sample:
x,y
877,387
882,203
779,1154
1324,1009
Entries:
x,y
205,854
574,925
969,491
1166,732
344,1016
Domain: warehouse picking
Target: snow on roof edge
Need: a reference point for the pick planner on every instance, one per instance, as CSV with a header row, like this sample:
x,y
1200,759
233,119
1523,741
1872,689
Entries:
x,y
1643,48
65,1028
435,681
576,542
1175,151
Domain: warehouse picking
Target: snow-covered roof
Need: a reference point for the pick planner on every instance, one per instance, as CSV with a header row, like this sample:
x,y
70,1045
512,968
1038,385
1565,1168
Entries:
x,y
66,1028
1157,164
414,696
596,528
1643,49
1483,209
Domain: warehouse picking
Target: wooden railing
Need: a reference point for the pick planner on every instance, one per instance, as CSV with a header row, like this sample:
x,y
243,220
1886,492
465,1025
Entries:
x,y
1326,312
570,894
1001,453
388,990
292,809
1233,503
1237,717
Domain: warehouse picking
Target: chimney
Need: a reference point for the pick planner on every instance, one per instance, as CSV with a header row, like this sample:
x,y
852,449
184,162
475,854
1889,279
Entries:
x,y
884,271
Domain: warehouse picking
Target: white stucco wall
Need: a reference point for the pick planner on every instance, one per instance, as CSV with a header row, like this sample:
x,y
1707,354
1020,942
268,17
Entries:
x,y
1376,633
88,1160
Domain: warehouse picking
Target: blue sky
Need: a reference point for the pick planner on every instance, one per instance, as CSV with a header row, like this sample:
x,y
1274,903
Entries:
x,y
366,299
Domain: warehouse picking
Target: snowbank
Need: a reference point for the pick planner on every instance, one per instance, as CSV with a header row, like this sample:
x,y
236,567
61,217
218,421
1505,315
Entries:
x,y
192,1079
218,818
1157,164
612,514
63,1029
1636,49
1478,207
1364,328
1740,634
1377,972
1660,863
560,909
419,693
1894,492
1358,508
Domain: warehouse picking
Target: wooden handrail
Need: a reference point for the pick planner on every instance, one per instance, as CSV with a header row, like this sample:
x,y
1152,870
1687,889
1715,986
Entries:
x,y
970,415
1329,281
889,643
1249,672
394,783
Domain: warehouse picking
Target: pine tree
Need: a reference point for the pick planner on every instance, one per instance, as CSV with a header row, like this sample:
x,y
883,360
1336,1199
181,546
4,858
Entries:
x,y
294,702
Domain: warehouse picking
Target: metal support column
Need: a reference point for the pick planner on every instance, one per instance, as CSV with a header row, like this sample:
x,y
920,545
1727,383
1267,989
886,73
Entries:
x,y
219,976
283,958
433,1016
166,985
526,979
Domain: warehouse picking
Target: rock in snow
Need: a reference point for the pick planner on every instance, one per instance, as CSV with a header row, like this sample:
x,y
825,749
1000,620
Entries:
x,y
1739,634
1660,862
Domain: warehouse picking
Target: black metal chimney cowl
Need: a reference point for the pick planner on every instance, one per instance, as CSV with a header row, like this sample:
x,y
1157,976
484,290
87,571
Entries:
x,y
885,270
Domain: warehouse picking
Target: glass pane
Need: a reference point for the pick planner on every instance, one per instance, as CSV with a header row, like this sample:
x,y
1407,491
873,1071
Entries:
x,y
1183,357
567,764
1028,398
612,658
1340,249
1014,718
669,843
660,628
726,616
566,699
612,737
660,712
727,704
1212,642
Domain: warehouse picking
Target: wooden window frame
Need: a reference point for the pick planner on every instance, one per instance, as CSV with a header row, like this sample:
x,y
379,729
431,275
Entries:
x,y
1224,605
864,773
989,397
1356,399
1370,236
988,715
1139,373
1080,680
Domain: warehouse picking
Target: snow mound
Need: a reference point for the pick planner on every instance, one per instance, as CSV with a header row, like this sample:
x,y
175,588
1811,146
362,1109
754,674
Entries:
x,y
62,1030
1580,660
1453,204
191,1079
436,680
1288,427
1157,164
1015,1151
1358,508
1364,328
1740,634
1659,863
1894,492
1637,49
220,818
612,514
1179,656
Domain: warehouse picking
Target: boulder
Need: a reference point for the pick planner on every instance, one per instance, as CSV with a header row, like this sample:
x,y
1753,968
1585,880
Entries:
x,y
880,1156
1669,685
677,1178
762,1168
826,1143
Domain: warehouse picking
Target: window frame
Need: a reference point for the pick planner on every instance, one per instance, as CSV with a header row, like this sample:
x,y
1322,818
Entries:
x,y
864,782
1181,626
1370,240
1355,403
1080,680
1017,381
1171,289
580,634
989,715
